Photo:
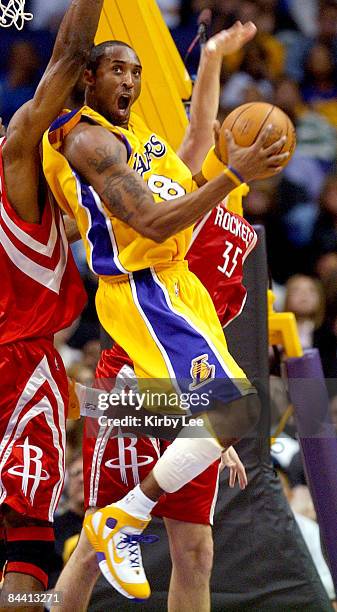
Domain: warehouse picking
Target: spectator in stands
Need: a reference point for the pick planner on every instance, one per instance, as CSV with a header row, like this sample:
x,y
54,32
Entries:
x,y
326,265
324,238
19,82
326,335
305,298
316,138
252,72
263,16
315,155
319,87
304,14
327,24
316,316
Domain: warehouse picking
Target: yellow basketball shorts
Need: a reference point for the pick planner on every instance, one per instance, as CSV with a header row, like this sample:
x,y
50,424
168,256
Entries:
x,y
166,321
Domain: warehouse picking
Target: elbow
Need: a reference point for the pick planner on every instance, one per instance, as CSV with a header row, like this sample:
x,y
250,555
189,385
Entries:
x,y
158,235
151,226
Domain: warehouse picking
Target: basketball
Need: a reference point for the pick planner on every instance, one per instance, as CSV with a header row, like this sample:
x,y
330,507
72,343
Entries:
x,y
248,120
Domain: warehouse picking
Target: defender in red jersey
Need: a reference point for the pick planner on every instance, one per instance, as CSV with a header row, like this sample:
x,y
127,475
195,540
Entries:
x,y
221,241
113,464
41,293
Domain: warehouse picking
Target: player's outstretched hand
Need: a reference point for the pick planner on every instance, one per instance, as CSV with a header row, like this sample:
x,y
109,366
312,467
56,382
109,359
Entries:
x,y
231,40
237,471
259,160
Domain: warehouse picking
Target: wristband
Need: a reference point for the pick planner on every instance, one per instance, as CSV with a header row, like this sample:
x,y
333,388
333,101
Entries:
x,y
233,175
237,174
212,167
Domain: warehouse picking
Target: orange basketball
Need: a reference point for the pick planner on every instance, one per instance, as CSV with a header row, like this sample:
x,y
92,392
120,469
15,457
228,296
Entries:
x,y
248,120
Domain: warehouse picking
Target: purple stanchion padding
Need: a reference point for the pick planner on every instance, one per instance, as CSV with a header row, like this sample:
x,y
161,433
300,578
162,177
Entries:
x,y
318,441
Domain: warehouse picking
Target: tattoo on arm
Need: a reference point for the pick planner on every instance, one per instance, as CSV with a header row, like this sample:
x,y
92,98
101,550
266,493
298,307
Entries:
x,y
106,159
116,188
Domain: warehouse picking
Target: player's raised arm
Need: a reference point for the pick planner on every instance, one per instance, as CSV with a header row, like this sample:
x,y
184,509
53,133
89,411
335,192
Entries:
x,y
21,151
206,92
73,43
102,160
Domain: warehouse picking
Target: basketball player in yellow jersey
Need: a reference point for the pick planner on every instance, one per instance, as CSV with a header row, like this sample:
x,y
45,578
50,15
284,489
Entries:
x,y
151,305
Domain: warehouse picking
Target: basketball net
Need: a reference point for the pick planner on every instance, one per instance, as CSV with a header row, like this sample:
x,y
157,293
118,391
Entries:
x,y
13,13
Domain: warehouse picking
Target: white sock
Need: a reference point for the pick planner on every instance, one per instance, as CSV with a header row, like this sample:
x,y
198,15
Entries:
x,y
137,504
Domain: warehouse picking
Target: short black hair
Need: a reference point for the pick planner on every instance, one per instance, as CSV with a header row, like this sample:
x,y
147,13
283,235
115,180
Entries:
x,y
98,51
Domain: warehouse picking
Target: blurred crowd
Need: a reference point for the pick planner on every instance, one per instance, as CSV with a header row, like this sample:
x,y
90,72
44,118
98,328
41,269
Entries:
x,y
291,63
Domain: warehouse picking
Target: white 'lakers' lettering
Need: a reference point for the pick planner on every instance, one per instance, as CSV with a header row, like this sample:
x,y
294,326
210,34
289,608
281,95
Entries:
x,y
153,148
30,462
165,187
234,225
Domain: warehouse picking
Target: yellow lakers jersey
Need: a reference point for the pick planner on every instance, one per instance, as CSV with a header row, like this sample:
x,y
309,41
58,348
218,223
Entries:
x,y
113,247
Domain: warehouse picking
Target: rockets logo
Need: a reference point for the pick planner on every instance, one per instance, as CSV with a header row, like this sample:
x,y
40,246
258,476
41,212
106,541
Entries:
x,y
135,460
31,470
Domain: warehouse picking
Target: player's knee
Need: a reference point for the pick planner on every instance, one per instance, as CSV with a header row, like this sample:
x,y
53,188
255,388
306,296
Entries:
x,y
29,545
193,558
235,420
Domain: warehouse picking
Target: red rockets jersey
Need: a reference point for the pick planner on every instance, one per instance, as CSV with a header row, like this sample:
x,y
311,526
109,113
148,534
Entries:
x,y
41,290
220,244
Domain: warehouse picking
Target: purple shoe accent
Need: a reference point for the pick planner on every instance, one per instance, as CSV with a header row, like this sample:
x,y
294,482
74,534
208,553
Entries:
x,y
111,523
140,538
100,557
137,600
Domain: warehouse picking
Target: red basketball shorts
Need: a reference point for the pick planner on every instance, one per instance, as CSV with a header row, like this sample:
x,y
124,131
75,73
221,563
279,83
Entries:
x,y
33,405
115,463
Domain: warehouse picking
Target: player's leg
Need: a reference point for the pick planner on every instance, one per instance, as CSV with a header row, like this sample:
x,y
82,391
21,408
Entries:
x,y
172,332
33,403
130,460
114,462
191,548
188,518
197,453
78,577
29,546
3,554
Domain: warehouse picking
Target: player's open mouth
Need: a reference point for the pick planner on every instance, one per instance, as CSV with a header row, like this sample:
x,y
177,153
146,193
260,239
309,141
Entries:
x,y
123,102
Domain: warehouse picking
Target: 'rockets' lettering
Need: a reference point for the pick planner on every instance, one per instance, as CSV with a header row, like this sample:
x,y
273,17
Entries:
x,y
234,225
